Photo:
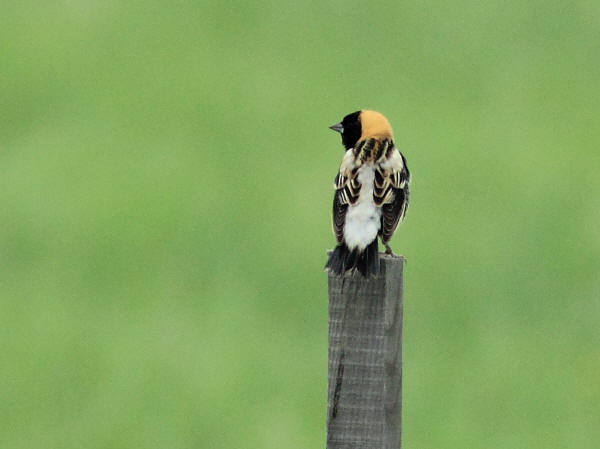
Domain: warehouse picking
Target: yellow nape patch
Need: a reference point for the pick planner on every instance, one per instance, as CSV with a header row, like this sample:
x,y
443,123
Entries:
x,y
374,124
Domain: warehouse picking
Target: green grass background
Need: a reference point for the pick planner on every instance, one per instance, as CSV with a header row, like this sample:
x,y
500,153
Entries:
x,y
165,186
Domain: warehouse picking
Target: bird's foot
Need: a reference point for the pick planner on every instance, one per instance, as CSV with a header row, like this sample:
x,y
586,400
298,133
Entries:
x,y
388,250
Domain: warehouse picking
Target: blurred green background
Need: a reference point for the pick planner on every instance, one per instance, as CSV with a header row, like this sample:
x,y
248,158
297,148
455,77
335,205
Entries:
x,y
165,183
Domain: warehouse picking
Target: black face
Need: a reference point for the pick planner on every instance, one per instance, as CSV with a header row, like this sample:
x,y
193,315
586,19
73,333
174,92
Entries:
x,y
350,129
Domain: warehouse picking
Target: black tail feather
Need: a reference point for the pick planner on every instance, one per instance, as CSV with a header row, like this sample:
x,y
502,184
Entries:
x,y
366,262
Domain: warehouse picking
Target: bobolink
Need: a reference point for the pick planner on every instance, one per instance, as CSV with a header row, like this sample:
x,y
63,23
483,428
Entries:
x,y
371,193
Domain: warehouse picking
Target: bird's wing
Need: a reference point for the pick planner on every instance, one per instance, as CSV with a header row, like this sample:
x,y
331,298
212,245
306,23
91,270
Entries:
x,y
339,216
347,190
391,191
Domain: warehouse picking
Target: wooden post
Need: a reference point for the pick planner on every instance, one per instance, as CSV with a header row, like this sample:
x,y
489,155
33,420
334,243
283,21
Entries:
x,y
365,359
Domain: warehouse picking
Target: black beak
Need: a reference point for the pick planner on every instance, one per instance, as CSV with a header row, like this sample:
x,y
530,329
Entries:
x,y
337,127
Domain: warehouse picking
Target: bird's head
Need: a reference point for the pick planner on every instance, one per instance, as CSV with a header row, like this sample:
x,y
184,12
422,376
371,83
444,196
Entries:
x,y
361,125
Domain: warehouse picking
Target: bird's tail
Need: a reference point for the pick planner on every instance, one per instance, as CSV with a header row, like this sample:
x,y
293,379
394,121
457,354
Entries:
x,y
343,259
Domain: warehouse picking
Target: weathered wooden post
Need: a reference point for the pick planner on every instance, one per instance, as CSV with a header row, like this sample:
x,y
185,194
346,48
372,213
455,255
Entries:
x,y
365,359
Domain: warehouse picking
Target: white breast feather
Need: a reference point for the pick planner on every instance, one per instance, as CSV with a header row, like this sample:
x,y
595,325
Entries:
x,y
363,219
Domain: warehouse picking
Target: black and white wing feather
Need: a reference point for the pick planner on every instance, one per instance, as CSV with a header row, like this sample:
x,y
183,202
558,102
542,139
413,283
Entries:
x,y
391,191
347,190
339,215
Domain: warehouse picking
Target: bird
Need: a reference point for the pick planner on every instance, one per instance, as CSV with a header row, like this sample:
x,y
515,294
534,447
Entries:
x,y
371,193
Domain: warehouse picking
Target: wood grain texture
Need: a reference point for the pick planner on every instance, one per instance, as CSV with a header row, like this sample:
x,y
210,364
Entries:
x,y
365,359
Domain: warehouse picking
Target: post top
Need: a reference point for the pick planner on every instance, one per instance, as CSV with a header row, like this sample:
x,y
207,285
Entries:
x,y
389,264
